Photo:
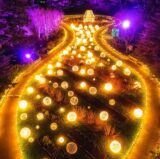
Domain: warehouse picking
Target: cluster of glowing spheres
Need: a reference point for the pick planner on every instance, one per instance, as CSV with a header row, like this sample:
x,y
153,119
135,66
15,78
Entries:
x,y
127,72
64,85
74,100
47,101
104,116
30,90
83,85
40,116
23,104
108,87
61,140
93,90
53,126
115,146
71,148
75,68
23,116
71,116
138,113
112,102
25,133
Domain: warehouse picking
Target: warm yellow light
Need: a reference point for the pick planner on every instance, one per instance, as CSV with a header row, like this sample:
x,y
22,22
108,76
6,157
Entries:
x,y
53,126
108,87
23,104
47,101
55,85
50,72
114,67
138,113
82,48
42,80
74,100
115,146
127,72
82,71
103,116
71,148
71,116
90,54
64,85
112,102
61,140
60,72
38,96
23,116
93,90
31,140
90,72
37,77
30,90
75,68
83,84
37,127
40,116
119,63
62,110
25,133
70,93
58,64
50,66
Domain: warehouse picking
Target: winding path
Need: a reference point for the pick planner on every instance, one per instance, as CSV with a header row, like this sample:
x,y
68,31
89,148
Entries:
x,y
9,148
148,133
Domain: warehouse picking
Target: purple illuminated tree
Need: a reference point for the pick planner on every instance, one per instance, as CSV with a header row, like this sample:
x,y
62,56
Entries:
x,y
45,22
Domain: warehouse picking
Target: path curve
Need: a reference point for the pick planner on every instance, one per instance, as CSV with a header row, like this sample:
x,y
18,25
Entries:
x,y
9,147
148,133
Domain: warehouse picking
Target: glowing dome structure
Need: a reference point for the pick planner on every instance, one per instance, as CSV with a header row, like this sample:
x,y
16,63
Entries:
x,y
89,16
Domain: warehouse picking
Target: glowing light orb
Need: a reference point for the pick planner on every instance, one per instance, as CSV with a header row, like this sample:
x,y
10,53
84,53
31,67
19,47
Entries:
x,y
126,24
82,48
61,140
70,93
37,127
82,71
93,90
31,140
53,126
71,116
74,100
60,72
30,90
108,87
90,54
55,85
75,68
23,104
101,64
47,101
42,80
62,110
37,77
138,113
64,85
127,72
50,72
25,132
28,56
103,55
23,116
58,64
112,102
83,85
71,148
115,146
119,63
114,67
50,66
38,96
40,116
90,72
104,116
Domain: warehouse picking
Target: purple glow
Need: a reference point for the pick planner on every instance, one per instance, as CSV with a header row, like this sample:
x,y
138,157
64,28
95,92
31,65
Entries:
x,y
126,24
28,56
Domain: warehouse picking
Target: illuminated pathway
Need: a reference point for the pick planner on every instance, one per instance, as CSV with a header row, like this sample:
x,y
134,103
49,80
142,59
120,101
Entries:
x,y
9,148
148,134
75,73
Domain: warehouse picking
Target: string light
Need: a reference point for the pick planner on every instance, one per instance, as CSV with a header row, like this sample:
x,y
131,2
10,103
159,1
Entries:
x,y
115,146
71,116
103,116
138,113
25,132
71,148
108,87
23,104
